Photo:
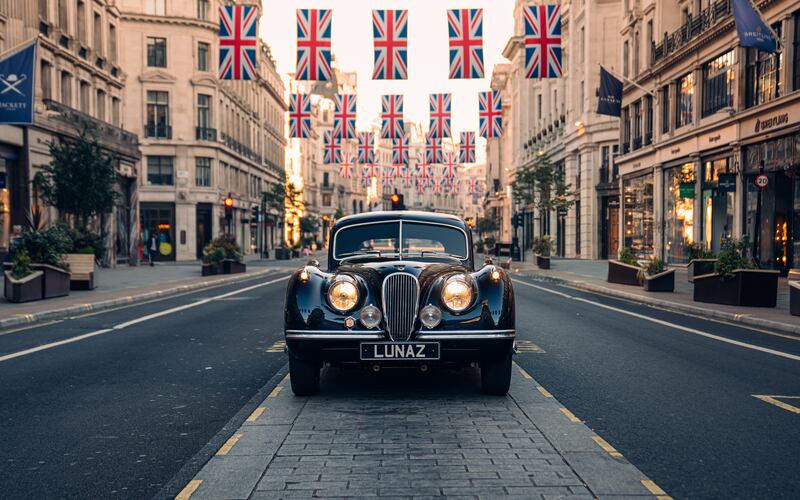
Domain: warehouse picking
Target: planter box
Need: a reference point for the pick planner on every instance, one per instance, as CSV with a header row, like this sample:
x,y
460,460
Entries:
x,y
233,267
748,287
282,254
794,298
623,274
56,281
209,270
700,267
661,282
27,289
81,268
542,262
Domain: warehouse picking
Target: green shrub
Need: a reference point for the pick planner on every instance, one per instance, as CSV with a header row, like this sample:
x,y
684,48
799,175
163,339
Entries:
x,y
543,246
46,246
222,248
83,240
654,266
21,265
732,257
698,251
626,257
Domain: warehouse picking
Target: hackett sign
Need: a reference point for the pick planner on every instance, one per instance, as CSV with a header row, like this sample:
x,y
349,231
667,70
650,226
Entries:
x,y
771,122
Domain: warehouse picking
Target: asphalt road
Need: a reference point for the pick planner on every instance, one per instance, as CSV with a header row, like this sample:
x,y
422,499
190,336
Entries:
x,y
134,394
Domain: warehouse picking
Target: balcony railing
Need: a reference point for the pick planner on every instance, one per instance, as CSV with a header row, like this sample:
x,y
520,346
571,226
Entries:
x,y
692,29
155,131
240,148
205,134
105,131
609,174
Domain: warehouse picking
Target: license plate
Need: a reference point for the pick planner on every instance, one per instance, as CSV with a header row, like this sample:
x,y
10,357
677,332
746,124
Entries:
x,y
378,351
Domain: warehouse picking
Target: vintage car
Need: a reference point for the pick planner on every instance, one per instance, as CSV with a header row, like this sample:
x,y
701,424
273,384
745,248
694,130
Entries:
x,y
401,290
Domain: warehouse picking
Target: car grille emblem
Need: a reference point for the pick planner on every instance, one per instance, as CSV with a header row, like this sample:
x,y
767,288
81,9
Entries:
x,y
400,302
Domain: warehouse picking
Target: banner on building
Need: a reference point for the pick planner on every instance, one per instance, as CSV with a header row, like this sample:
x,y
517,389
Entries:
x,y
17,73
609,99
753,31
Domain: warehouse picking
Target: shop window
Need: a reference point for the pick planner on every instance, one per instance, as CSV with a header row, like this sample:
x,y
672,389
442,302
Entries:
x,y
203,172
718,204
160,171
638,216
719,80
684,102
763,75
159,218
156,52
679,194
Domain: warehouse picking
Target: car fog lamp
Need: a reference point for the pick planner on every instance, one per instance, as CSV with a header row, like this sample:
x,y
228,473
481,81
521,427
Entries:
x,y
457,294
349,322
430,316
343,295
495,276
370,316
304,276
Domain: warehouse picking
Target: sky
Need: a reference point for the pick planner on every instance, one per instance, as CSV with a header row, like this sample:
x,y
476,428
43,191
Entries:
x,y
427,51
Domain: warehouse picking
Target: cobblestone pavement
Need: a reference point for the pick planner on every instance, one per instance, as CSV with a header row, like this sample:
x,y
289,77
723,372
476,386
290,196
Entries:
x,y
407,434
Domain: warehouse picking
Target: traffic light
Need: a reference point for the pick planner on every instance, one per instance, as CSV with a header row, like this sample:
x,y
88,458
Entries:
x,y
228,207
254,213
518,220
398,202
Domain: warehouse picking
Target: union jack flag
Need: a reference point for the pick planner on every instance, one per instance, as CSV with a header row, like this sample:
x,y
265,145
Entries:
x,y
332,148
491,114
371,170
465,28
475,186
366,148
346,166
395,170
400,150
390,28
300,116
438,183
455,186
344,117
238,39
392,117
387,179
408,177
450,165
314,44
543,41
466,148
433,150
440,115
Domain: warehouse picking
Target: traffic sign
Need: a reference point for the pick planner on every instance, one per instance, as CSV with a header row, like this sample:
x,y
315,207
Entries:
x,y
762,181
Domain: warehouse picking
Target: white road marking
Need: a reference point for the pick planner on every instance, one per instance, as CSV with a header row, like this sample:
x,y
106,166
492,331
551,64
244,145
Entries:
x,y
682,328
126,324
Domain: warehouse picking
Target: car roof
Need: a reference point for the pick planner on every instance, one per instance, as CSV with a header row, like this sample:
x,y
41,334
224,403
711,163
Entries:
x,y
406,215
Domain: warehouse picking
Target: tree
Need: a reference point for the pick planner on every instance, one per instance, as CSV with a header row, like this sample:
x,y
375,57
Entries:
x,y
79,180
542,185
308,228
485,225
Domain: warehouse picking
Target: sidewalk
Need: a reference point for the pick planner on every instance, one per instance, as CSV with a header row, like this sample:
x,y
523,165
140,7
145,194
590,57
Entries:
x,y
406,434
131,284
591,275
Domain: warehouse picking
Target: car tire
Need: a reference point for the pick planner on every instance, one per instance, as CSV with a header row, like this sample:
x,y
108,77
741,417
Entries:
x,y
304,377
496,376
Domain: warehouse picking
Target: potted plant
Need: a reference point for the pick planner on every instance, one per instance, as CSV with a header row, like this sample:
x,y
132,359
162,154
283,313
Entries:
x,y
46,249
735,282
656,277
624,270
701,261
22,283
222,256
542,248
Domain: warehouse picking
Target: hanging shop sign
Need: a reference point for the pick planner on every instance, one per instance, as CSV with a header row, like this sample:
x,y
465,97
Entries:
x,y
687,190
762,181
726,183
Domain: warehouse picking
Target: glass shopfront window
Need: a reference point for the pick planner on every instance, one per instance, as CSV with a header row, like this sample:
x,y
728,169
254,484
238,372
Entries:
x,y
638,216
719,199
158,218
679,193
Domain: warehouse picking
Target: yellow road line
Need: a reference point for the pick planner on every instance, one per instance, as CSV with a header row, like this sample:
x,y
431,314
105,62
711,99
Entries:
x,y
653,488
545,393
571,416
229,444
524,374
256,413
276,391
780,404
190,488
607,447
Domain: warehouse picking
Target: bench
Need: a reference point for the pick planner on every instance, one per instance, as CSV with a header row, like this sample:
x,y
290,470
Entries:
x,y
82,268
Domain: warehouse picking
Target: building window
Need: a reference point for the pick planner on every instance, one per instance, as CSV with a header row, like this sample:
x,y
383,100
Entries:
x,y
639,216
326,179
326,200
202,9
650,42
46,76
66,88
636,53
81,12
157,115
43,10
202,176
160,171
625,58
63,15
156,52
100,105
796,64
636,111
539,106
578,227
98,34
84,97
112,43
648,120
115,112
202,56
684,101
763,82
203,110
664,97
626,130
679,193
155,7
719,80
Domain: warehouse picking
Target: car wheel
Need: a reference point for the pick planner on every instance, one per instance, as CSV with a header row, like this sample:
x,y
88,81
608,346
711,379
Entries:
x,y
496,376
304,377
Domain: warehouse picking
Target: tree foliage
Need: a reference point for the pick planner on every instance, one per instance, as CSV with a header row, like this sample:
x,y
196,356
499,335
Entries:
x,y
543,186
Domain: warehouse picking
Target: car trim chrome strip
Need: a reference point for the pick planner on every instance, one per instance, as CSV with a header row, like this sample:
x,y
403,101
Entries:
x,y
335,334
465,334
423,335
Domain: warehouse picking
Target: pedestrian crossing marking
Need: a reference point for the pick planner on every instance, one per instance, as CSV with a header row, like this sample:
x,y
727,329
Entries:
x,y
776,401
256,413
278,346
528,346
190,488
275,392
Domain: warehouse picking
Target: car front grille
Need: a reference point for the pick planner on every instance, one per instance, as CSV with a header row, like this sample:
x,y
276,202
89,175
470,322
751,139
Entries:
x,y
400,300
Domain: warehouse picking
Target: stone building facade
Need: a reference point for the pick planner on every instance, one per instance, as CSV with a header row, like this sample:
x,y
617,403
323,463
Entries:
x,y
202,139
79,79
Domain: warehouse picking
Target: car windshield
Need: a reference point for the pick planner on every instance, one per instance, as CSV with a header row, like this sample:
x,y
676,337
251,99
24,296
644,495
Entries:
x,y
382,240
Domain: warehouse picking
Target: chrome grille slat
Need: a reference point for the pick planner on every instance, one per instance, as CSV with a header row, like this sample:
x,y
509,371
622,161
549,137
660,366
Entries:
x,y
400,303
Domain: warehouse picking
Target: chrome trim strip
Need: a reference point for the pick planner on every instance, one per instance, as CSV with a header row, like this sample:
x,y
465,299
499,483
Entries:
x,y
465,334
422,335
334,336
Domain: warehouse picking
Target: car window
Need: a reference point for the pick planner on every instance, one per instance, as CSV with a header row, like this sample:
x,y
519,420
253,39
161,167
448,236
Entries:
x,y
367,238
381,239
433,238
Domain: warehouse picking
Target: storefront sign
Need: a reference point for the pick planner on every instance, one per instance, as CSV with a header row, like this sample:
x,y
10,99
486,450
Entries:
x,y
762,181
687,190
765,124
771,121
726,184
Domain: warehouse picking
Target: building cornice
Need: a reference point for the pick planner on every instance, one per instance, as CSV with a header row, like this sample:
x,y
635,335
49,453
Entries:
x,y
169,20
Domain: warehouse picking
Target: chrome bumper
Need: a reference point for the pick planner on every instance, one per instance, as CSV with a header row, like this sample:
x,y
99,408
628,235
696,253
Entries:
x,y
422,335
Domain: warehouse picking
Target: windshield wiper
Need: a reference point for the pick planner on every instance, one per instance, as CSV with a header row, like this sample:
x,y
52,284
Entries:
x,y
429,253
362,253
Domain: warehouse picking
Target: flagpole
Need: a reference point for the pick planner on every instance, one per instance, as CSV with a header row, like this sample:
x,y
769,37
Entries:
x,y
651,94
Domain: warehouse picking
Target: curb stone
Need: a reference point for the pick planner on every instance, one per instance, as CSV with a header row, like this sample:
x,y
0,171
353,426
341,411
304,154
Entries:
x,y
28,319
744,319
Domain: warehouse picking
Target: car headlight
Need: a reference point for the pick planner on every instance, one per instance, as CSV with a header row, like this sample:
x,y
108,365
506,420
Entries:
x,y
343,294
457,293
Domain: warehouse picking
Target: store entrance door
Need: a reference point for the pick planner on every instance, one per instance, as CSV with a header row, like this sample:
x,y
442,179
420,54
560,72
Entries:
x,y
610,228
203,229
782,230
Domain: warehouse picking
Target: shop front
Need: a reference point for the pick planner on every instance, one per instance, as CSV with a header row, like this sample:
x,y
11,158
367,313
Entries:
x,y
638,217
718,201
158,218
679,220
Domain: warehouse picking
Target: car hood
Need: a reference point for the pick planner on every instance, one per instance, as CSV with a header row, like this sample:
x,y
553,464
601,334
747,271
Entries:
x,y
426,272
